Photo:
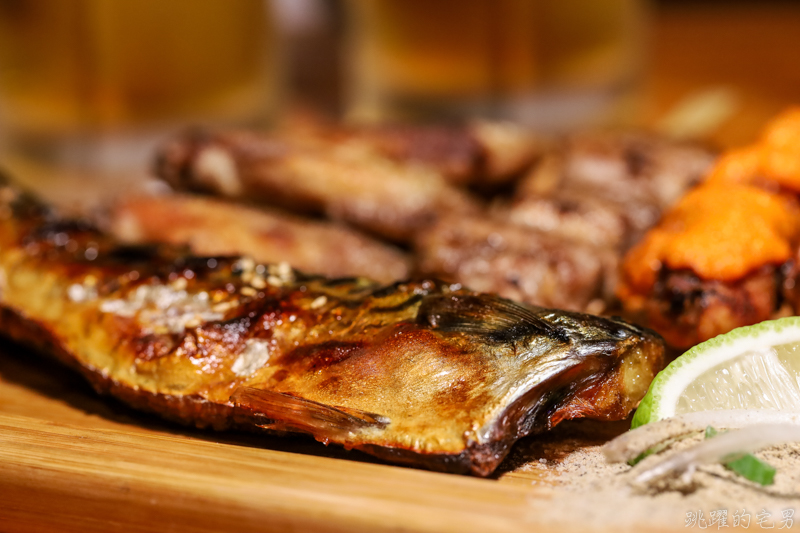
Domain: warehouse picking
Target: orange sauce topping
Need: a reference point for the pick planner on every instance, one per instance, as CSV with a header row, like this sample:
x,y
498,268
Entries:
x,y
780,150
736,166
718,231
774,159
735,222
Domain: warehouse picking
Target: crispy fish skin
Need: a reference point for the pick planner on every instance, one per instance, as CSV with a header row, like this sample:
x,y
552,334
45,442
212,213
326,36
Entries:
x,y
216,227
417,372
347,182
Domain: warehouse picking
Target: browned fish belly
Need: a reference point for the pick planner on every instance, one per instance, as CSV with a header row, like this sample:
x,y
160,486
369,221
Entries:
x,y
417,372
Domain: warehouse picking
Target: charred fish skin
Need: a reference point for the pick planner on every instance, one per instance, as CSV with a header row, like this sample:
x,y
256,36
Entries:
x,y
419,372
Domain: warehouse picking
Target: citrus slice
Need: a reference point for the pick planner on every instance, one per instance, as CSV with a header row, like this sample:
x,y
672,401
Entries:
x,y
754,367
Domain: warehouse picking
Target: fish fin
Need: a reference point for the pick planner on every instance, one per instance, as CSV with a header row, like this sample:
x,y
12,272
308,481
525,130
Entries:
x,y
288,412
496,318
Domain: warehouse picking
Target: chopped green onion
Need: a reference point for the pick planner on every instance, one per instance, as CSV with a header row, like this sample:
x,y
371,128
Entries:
x,y
747,465
751,467
658,448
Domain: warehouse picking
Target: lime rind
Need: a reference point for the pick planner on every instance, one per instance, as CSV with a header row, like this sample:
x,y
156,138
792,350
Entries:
x,y
661,397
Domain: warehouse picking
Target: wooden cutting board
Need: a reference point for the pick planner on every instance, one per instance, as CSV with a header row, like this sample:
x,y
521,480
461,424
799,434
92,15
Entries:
x,y
72,461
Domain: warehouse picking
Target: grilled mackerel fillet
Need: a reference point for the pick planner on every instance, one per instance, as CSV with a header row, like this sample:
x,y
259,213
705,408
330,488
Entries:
x,y
420,373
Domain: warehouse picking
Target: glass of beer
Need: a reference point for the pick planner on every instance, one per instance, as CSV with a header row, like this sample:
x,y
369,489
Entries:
x,y
92,85
550,63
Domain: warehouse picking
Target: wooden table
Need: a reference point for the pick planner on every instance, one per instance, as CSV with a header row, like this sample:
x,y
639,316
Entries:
x,y
70,461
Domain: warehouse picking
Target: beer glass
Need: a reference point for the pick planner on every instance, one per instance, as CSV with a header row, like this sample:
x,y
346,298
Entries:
x,y
550,63
92,85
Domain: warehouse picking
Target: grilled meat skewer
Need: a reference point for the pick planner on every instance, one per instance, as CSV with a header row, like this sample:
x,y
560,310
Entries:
x,y
725,255
559,241
347,182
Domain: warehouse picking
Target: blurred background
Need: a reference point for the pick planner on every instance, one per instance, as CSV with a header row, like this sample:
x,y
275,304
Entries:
x,y
89,87
732,58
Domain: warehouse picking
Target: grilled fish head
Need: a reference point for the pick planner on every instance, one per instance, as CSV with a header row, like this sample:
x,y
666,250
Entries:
x,y
542,366
458,379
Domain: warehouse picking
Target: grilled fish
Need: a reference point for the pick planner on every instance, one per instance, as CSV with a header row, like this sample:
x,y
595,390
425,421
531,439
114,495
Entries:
x,y
418,372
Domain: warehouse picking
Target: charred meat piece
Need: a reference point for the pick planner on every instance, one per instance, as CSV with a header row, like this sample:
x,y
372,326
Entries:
x,y
418,373
719,259
482,154
687,310
492,255
586,215
626,167
216,227
345,181
453,152
559,240
574,216
607,189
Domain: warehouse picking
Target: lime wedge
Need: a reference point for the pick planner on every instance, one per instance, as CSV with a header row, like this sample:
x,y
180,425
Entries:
x,y
754,367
